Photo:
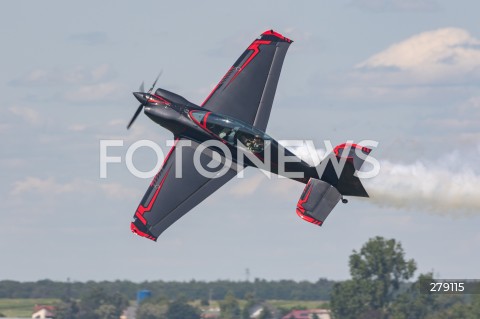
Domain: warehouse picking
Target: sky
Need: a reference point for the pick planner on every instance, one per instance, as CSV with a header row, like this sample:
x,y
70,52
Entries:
x,y
403,73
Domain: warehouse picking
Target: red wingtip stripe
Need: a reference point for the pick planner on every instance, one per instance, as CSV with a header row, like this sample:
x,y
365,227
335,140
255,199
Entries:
x,y
364,149
138,232
278,35
301,210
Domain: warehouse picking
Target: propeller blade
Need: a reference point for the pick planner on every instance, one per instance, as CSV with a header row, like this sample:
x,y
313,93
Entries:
x,y
154,83
142,89
139,109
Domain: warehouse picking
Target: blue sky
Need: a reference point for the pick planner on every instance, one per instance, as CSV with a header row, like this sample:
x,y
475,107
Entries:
x,y
404,73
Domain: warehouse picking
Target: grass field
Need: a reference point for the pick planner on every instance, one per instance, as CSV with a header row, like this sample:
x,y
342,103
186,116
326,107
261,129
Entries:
x,y
22,307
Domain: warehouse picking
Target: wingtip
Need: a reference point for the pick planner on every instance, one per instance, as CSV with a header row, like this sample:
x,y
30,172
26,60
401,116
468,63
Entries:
x,y
277,35
145,233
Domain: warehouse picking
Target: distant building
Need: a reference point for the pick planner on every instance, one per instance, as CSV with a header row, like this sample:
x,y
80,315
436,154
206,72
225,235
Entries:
x,y
211,313
256,311
43,312
142,295
308,314
129,313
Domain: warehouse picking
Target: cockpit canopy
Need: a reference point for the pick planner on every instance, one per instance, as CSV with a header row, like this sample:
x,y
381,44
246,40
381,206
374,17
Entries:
x,y
232,131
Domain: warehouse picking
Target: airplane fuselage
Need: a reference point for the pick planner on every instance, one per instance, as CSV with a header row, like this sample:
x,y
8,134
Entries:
x,y
193,122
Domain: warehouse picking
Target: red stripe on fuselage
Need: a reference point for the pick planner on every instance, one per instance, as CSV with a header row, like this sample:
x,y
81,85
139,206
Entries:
x,y
162,99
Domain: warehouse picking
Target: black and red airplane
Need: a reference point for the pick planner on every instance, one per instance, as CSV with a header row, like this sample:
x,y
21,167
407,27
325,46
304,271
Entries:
x,y
236,114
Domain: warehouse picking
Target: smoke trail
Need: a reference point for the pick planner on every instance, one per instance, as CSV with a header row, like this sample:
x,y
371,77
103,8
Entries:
x,y
426,185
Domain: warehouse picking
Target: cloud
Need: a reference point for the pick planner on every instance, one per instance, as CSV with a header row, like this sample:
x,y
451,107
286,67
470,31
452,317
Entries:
x,y
248,185
472,105
94,92
89,38
116,122
51,187
4,127
396,5
77,127
28,114
74,76
454,123
448,56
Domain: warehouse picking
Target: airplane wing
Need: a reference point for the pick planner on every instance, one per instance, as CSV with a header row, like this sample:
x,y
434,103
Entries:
x,y
170,197
247,90
246,93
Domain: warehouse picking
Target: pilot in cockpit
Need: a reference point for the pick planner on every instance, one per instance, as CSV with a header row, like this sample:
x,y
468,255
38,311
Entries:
x,y
257,144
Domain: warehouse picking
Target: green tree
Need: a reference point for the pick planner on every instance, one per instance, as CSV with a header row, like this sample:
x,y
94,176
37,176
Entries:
x,y
106,311
229,307
179,309
250,302
95,304
377,271
67,309
382,263
148,310
474,311
456,307
414,303
349,299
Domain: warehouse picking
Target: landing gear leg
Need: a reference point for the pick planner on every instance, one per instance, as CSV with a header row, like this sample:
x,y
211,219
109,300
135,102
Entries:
x,y
344,200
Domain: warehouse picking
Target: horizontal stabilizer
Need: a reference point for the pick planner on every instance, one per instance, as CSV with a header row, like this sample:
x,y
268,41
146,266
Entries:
x,y
317,201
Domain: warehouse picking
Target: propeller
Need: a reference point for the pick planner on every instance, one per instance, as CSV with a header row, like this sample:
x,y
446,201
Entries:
x,y
153,85
140,107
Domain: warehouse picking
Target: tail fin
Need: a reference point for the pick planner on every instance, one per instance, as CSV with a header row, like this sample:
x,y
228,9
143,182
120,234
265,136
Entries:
x,y
320,196
353,156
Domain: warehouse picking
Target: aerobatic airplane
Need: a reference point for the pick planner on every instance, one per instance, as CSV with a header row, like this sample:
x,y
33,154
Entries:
x,y
236,114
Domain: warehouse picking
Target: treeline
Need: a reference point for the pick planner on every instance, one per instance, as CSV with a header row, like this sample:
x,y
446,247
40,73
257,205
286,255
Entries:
x,y
215,290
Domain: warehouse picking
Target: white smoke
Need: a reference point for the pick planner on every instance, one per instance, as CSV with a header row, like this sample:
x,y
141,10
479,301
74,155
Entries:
x,y
431,186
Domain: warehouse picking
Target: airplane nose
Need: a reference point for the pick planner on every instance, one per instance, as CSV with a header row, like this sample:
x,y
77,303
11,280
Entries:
x,y
140,97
